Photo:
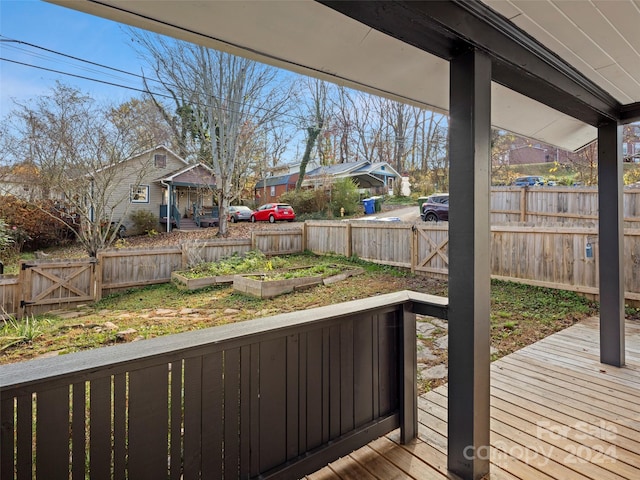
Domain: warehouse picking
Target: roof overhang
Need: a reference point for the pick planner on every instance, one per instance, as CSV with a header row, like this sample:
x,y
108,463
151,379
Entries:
x,y
364,180
397,49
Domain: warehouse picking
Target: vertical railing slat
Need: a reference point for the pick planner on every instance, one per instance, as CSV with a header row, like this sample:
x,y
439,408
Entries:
x,y
119,426
388,355
24,437
313,416
334,382
7,442
79,431
212,416
273,403
192,439
231,413
246,402
175,452
100,429
293,397
255,409
375,365
302,392
347,421
52,433
362,372
148,422
324,382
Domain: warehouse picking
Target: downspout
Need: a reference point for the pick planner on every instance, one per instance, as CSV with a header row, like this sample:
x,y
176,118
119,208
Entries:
x,y
168,205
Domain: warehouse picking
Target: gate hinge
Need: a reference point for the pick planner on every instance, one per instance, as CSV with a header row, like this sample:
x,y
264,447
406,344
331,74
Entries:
x,y
26,265
24,303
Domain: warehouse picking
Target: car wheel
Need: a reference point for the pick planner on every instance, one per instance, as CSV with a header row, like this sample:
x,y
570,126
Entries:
x,y
272,219
431,217
253,219
233,219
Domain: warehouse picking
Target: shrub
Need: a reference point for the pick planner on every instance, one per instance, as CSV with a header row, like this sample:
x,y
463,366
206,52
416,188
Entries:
x,y
345,195
5,237
34,225
144,221
632,176
305,201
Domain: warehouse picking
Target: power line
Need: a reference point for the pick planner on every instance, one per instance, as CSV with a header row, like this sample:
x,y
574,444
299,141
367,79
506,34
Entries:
x,y
138,76
82,77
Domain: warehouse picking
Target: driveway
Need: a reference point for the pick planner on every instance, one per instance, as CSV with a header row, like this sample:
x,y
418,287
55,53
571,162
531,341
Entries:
x,y
405,214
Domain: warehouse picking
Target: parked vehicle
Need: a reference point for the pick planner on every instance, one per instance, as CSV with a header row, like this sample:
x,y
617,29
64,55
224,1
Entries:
x,y
436,208
273,212
529,181
239,213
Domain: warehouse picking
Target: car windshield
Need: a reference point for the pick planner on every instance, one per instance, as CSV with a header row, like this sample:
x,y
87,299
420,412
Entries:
x,y
283,207
241,209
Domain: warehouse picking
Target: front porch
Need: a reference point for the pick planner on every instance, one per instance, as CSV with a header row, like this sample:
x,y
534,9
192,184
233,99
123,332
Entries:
x,y
556,413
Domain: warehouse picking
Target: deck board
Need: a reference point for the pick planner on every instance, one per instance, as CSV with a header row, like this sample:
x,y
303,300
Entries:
x,y
557,413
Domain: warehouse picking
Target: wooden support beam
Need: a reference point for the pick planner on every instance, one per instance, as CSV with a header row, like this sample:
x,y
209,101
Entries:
x,y
611,247
469,266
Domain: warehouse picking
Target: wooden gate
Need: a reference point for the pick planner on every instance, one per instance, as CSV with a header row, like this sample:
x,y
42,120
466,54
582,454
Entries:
x,y
431,247
56,284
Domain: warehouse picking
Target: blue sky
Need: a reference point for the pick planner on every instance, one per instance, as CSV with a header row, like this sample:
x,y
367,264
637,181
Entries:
x,y
66,31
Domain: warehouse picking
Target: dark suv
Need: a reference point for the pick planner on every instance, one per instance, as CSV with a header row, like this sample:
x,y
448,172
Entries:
x,y
530,181
436,208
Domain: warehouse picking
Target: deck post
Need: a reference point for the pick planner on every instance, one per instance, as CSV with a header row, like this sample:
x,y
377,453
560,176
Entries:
x,y
611,248
409,390
469,268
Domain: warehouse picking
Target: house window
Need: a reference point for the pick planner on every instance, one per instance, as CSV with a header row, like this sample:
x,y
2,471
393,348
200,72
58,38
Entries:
x,y
139,193
160,161
273,191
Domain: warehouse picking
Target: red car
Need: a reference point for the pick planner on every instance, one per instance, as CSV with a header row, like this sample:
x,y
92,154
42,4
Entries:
x,y
273,212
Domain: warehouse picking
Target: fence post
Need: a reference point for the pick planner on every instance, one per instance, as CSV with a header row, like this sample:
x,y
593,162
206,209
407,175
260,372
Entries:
x,y
184,260
414,248
347,242
408,387
523,204
304,237
24,283
98,275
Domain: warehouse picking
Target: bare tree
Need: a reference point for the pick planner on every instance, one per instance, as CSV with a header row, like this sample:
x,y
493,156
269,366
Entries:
x,y
77,150
147,122
315,93
223,101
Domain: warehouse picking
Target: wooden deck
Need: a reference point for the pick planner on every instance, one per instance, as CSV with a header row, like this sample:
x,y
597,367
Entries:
x,y
556,413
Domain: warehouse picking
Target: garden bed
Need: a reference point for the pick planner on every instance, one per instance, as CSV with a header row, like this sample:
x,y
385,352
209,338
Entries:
x,y
223,271
272,284
188,283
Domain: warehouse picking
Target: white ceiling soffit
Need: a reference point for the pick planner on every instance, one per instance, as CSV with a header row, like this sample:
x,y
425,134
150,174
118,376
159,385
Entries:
x,y
309,38
599,38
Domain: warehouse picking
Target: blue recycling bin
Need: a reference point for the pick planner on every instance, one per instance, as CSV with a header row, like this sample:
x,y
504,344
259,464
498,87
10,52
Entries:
x,y
369,206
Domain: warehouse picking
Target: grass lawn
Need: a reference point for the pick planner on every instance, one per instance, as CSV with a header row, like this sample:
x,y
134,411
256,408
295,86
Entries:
x,y
520,314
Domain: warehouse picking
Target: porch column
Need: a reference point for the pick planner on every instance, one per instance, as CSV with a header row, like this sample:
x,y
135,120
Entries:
x,y
469,268
611,240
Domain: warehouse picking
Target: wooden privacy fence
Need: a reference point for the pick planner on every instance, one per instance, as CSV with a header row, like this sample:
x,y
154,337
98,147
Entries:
x,y
45,285
558,256
564,205
550,256
277,397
